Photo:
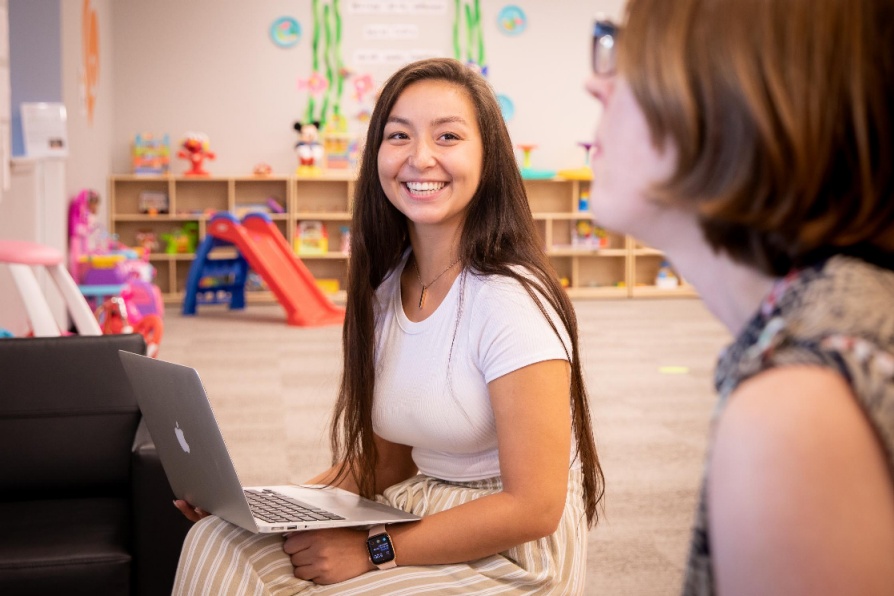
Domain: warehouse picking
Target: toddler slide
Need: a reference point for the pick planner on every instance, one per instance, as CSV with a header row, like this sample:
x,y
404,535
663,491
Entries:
x,y
262,244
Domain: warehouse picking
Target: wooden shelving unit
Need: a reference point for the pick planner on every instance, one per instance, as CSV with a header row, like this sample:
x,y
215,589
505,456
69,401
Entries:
x,y
325,198
622,268
588,272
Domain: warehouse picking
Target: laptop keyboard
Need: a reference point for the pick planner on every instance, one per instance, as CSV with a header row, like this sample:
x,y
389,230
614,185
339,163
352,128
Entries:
x,y
273,507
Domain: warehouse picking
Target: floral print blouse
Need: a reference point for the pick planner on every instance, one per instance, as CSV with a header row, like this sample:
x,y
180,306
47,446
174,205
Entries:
x,y
838,314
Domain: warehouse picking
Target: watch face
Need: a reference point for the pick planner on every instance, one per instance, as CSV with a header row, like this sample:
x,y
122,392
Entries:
x,y
380,550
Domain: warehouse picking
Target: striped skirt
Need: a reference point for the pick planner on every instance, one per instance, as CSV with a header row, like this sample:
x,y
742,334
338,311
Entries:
x,y
220,558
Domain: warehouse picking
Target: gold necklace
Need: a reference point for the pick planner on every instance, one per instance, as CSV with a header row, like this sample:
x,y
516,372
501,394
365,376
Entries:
x,y
429,284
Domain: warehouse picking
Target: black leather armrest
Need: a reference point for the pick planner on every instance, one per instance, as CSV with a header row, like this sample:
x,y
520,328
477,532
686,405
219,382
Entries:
x,y
159,529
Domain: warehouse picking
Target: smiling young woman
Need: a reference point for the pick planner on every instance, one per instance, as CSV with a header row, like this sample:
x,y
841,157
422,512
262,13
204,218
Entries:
x,y
460,346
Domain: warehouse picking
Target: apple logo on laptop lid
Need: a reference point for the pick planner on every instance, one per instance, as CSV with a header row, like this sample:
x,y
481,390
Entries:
x,y
180,437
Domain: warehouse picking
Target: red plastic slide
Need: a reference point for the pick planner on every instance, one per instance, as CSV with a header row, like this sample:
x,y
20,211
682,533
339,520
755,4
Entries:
x,y
268,253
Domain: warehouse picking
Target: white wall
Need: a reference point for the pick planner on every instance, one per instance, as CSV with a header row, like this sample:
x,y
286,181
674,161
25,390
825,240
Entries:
x,y
91,145
209,66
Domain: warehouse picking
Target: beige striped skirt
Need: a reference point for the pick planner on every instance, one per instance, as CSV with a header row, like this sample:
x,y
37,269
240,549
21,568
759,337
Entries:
x,y
220,558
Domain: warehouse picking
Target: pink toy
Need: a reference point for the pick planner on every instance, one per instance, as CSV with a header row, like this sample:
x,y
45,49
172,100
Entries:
x,y
137,307
82,229
195,149
118,279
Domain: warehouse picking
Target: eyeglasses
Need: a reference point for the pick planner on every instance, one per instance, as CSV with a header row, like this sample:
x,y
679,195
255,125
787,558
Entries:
x,y
605,47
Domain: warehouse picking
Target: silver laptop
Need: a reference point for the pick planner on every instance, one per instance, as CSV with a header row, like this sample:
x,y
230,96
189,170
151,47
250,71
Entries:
x,y
195,459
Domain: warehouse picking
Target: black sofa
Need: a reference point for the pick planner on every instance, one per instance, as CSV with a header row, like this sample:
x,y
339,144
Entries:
x,y
85,507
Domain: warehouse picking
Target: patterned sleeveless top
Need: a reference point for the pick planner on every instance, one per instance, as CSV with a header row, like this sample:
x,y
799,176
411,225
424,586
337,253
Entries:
x,y
838,314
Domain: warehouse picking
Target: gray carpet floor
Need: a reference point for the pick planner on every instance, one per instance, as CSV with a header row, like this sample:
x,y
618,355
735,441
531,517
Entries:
x,y
648,365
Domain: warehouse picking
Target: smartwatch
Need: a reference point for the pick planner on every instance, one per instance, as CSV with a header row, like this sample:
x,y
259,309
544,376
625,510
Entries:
x,y
381,550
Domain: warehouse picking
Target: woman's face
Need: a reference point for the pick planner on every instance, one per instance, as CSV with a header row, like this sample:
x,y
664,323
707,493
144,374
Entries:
x,y
625,163
431,154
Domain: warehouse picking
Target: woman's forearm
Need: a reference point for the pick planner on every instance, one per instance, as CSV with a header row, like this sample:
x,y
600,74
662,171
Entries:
x,y
476,529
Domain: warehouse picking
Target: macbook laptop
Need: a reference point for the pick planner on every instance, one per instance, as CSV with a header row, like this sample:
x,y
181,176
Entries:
x,y
195,459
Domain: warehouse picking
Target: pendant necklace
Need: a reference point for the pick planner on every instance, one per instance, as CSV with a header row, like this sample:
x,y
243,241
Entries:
x,y
429,284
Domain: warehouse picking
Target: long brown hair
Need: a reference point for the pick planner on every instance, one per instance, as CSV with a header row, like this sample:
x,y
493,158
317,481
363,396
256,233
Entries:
x,y
498,233
781,113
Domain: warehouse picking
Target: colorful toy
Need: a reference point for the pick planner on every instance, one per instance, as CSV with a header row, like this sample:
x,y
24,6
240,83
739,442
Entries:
x,y
151,154
134,303
328,285
261,245
527,171
117,315
312,238
262,169
337,143
255,283
274,204
587,235
308,149
195,148
153,202
526,152
125,273
117,278
83,229
345,240
666,278
583,199
584,172
182,240
147,241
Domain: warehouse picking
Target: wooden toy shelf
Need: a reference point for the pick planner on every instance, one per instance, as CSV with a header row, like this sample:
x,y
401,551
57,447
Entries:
x,y
620,267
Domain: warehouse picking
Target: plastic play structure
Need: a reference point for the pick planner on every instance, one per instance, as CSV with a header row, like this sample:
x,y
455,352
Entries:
x,y
120,286
261,246
21,257
117,281
528,172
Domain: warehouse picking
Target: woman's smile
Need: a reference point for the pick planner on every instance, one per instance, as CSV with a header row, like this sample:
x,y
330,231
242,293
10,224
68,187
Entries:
x,y
424,190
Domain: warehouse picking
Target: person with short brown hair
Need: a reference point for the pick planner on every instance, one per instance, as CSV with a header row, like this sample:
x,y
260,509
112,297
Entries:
x,y
753,143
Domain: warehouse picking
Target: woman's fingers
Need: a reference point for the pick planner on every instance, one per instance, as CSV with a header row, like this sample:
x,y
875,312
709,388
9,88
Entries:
x,y
191,513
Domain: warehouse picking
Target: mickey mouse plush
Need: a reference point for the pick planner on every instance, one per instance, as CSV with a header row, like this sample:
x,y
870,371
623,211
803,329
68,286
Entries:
x,y
308,148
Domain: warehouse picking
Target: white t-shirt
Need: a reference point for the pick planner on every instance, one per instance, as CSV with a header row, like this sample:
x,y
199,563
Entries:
x,y
431,376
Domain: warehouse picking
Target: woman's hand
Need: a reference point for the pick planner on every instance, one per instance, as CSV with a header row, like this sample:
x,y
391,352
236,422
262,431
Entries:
x,y
328,556
191,513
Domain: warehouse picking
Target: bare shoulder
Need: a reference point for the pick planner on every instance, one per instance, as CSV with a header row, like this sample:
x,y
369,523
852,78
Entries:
x,y
801,499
